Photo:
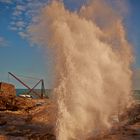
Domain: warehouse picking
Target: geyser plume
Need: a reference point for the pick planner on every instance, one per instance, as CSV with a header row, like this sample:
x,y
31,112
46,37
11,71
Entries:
x,y
92,58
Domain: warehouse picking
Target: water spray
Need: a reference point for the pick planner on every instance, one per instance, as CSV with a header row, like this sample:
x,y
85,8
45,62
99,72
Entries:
x,y
92,59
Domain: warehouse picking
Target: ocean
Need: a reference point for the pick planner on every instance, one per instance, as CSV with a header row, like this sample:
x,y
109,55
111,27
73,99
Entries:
x,y
48,93
24,91
137,94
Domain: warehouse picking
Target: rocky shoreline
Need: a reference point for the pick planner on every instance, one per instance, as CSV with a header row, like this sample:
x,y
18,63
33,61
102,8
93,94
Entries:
x,y
34,119
34,123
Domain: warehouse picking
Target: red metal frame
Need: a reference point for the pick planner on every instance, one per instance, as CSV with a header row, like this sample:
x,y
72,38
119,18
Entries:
x,y
30,89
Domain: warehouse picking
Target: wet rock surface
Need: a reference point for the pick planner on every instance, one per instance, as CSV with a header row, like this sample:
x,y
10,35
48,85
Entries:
x,y
128,127
38,122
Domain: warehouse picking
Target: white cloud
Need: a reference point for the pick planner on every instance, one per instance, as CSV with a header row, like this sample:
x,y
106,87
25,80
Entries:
x,y
13,28
17,13
23,34
23,14
20,24
3,42
6,1
12,23
20,8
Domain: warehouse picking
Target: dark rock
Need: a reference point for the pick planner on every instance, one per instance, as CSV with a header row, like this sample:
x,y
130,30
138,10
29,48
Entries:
x,y
3,122
16,133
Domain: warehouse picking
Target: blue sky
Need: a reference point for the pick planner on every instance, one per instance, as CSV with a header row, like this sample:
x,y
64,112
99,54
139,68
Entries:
x,y
20,57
